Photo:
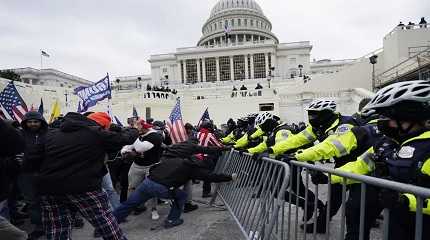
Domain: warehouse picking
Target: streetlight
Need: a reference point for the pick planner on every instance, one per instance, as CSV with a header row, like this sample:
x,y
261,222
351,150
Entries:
x,y
373,61
117,81
300,70
269,78
140,82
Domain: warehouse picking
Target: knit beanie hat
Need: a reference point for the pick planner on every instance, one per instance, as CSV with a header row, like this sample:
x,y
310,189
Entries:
x,y
101,118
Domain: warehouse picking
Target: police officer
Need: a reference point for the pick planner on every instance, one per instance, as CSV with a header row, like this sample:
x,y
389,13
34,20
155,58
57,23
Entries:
x,y
343,147
403,156
237,132
324,121
254,134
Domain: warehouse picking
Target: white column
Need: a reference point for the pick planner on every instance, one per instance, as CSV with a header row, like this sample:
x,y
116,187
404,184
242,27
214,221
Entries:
x,y
252,37
198,70
266,59
204,69
237,39
231,67
185,71
246,66
217,69
252,67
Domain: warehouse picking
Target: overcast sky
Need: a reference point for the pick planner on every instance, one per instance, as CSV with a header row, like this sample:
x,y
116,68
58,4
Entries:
x,y
88,38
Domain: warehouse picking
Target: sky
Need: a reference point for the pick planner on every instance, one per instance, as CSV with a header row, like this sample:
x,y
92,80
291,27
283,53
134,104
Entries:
x,y
88,38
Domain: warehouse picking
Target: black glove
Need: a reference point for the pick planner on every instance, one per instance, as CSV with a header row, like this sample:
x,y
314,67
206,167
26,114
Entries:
x,y
393,200
318,178
286,158
259,157
241,151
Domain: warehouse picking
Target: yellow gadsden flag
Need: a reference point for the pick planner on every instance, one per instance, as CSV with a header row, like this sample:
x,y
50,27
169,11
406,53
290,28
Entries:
x,y
55,112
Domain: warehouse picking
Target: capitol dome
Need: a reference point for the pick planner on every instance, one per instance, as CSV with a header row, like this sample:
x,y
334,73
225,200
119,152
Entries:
x,y
243,19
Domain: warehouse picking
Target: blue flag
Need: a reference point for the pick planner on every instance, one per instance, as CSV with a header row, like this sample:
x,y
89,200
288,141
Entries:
x,y
41,107
89,96
204,117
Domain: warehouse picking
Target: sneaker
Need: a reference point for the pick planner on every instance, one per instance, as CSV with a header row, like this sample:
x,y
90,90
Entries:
x,y
162,202
154,214
36,234
139,210
78,223
173,223
189,207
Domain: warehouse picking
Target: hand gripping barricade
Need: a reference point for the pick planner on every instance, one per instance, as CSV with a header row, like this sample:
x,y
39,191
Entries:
x,y
254,199
257,199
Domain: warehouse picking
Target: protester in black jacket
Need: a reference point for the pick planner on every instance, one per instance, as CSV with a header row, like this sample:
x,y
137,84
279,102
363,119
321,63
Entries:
x,y
72,171
34,129
176,167
12,143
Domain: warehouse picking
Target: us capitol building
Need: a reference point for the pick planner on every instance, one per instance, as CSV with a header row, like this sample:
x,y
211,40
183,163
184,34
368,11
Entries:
x,y
238,47
237,44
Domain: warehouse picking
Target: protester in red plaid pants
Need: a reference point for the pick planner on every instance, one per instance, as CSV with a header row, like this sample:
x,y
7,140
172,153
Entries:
x,y
71,174
93,206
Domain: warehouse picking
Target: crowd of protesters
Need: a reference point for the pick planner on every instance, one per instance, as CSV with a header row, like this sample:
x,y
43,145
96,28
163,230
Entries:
x,y
83,166
67,171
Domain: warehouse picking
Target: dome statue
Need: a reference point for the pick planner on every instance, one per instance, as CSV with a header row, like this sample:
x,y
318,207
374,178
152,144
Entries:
x,y
243,20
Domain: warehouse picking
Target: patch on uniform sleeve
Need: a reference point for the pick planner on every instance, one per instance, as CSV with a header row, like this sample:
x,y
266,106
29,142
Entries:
x,y
342,129
406,152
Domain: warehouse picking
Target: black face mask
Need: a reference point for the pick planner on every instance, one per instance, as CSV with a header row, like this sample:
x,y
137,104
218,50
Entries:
x,y
322,119
391,132
398,133
269,125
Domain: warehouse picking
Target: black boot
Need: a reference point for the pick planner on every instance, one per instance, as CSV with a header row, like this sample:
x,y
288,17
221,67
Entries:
x,y
189,207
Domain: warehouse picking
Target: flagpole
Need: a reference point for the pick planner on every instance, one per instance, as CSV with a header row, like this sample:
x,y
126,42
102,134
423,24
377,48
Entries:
x,y
109,99
41,63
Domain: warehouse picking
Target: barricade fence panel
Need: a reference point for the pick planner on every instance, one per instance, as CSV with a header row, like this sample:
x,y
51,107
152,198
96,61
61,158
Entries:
x,y
274,200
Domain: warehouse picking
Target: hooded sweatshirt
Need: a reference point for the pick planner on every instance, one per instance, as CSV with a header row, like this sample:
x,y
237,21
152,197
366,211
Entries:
x,y
75,153
34,142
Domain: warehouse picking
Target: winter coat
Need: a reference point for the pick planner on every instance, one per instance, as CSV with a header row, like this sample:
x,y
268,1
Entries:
x,y
34,142
12,143
177,166
75,153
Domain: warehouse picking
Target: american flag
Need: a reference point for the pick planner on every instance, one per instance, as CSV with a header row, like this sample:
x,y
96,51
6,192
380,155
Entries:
x,y
12,102
208,139
204,117
175,124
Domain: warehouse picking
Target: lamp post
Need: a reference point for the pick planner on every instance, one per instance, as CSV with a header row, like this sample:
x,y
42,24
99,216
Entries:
x,y
373,61
300,70
140,82
118,81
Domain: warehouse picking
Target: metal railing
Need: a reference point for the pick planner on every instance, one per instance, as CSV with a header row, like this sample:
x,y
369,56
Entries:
x,y
409,65
254,198
265,208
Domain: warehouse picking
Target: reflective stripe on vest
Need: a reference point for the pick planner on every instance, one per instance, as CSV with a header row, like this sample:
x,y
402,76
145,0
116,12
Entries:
x,y
308,136
342,150
367,157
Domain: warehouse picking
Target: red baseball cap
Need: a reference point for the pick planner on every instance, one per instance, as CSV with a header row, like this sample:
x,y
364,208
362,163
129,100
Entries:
x,y
144,124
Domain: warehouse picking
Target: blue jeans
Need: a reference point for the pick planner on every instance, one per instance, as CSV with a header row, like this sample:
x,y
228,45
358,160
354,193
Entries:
x,y
149,189
113,196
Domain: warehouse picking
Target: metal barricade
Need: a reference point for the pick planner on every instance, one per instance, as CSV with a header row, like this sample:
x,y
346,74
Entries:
x,y
270,199
255,200
364,183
